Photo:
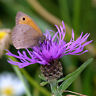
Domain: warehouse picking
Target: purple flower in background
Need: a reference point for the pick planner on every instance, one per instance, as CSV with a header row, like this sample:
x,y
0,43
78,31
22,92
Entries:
x,y
54,47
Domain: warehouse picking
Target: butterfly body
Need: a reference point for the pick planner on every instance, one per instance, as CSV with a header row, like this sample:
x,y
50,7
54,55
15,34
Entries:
x,y
26,33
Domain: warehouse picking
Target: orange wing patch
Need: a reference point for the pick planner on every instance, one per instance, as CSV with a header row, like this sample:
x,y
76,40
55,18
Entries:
x,y
28,21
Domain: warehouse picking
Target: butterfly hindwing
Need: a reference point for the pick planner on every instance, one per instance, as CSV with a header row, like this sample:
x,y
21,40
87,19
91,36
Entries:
x,y
24,36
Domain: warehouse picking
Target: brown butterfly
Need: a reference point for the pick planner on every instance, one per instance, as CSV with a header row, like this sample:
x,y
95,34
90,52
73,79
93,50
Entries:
x,y
26,33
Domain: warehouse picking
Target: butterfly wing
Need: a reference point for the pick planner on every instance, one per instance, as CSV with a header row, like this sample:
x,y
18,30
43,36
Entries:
x,y
24,36
22,18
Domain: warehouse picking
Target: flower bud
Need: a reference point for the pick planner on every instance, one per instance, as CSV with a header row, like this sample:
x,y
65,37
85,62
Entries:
x,y
52,71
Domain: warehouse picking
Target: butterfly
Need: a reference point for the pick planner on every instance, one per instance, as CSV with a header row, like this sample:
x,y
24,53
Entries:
x,y
26,33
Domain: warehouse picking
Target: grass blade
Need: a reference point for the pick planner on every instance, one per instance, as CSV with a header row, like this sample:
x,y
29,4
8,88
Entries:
x,y
71,77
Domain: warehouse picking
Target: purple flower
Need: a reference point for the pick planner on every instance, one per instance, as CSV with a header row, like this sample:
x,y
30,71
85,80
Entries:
x,y
54,47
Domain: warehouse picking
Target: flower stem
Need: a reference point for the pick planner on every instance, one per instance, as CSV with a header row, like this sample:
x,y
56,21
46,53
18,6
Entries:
x,y
54,88
19,74
16,69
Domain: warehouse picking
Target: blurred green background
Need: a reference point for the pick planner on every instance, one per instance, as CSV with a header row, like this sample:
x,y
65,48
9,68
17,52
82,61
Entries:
x,y
77,14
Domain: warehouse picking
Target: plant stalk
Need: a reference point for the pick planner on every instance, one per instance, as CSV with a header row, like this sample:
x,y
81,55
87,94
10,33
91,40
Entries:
x,y
16,69
54,88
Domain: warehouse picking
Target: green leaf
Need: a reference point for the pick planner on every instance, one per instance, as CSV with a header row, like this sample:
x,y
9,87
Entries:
x,y
43,83
41,76
71,77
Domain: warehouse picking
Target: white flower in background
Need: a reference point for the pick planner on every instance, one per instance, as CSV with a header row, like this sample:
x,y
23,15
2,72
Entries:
x,y
10,85
5,40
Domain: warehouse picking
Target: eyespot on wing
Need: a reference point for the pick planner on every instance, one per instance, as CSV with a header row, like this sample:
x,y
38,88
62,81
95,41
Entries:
x,y
22,18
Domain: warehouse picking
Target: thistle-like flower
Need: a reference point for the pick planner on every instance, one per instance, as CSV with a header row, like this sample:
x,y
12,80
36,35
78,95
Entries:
x,y
48,53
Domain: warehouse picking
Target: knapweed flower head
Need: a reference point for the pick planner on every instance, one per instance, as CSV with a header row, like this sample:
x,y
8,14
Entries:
x,y
53,48
10,86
